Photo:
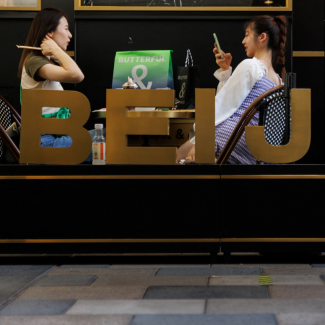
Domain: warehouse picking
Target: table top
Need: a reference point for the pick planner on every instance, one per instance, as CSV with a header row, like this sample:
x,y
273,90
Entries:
x,y
170,114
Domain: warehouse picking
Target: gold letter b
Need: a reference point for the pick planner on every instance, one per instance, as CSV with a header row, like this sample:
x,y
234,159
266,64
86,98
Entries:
x,y
33,125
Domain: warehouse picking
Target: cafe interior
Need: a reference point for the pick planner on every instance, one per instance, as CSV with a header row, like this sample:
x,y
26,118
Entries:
x,y
133,188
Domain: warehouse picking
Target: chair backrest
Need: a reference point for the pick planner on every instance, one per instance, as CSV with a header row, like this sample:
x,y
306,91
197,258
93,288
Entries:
x,y
275,113
272,116
8,115
5,120
244,120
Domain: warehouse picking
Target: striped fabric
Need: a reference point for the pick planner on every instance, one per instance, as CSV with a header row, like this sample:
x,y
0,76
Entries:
x,y
240,154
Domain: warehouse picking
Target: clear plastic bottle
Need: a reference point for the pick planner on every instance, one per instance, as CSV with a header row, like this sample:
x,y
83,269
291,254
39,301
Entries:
x,y
99,146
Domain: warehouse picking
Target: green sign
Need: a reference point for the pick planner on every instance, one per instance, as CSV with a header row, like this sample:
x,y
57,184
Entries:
x,y
148,69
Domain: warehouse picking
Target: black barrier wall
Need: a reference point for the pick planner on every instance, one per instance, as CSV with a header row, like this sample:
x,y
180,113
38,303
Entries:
x,y
98,35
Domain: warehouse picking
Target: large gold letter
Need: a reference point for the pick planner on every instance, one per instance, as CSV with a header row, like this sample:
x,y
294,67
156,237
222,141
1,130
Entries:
x,y
300,133
205,126
33,125
119,125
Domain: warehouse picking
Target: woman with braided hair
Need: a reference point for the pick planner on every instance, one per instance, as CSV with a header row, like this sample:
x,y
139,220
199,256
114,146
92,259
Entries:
x,y
264,42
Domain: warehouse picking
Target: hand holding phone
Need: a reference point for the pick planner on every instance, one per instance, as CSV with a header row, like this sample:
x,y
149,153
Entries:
x,y
222,59
218,45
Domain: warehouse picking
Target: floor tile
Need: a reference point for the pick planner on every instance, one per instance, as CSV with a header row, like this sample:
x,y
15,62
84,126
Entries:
x,y
265,319
66,280
66,266
296,280
150,266
235,280
292,271
296,292
134,307
35,307
86,293
264,265
11,284
66,320
264,306
210,271
111,280
108,271
318,265
197,292
23,270
301,319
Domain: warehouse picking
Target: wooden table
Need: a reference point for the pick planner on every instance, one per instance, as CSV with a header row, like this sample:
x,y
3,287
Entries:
x,y
181,128
181,114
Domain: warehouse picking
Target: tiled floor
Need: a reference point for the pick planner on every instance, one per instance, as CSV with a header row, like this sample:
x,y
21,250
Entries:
x,y
163,294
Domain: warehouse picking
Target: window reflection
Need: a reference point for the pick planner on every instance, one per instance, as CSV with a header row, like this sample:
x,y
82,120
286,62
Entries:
x,y
186,3
18,3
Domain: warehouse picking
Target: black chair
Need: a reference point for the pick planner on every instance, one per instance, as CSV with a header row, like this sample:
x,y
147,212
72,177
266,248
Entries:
x,y
274,114
8,115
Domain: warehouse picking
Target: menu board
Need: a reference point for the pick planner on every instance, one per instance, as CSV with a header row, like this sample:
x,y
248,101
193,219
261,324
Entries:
x,y
186,3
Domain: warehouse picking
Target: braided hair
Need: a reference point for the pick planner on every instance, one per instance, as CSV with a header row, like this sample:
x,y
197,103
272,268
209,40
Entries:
x,y
276,29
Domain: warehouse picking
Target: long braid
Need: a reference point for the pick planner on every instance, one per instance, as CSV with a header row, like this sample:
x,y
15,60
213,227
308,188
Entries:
x,y
282,23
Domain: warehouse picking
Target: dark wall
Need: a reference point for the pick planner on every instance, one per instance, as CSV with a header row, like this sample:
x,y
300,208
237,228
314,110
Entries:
x,y
13,31
308,35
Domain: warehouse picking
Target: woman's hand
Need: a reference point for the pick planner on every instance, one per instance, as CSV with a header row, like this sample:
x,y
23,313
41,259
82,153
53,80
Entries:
x,y
48,46
224,63
191,154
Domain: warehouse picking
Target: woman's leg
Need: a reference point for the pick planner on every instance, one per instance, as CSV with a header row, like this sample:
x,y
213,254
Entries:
x,y
183,150
47,140
62,142
50,140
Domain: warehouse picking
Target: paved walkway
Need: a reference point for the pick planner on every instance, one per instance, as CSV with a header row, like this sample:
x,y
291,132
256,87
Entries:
x,y
234,294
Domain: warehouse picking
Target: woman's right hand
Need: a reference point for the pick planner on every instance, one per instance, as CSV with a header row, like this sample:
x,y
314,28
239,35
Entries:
x,y
224,63
48,46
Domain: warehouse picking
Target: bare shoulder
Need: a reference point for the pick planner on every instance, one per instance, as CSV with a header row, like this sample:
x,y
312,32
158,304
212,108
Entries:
x,y
272,75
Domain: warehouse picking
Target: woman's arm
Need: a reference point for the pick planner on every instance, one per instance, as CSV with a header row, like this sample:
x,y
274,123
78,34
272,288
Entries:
x,y
224,73
68,71
222,76
236,89
185,150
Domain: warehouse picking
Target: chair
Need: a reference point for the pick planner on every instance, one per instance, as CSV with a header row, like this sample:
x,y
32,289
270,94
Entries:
x,y
8,115
274,109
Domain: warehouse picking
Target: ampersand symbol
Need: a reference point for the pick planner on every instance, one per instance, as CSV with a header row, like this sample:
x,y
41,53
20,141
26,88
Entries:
x,y
138,79
181,93
179,134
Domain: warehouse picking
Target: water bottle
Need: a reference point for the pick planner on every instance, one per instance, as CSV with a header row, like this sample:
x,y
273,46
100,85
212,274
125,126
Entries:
x,y
99,146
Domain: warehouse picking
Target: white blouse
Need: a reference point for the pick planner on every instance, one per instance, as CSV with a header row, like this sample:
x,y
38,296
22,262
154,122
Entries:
x,y
233,89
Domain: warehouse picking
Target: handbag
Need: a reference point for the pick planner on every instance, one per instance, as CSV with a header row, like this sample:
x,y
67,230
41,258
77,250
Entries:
x,y
187,80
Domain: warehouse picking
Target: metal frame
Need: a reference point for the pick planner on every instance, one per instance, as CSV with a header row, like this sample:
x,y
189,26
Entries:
x,y
161,240
37,8
79,7
215,177
307,54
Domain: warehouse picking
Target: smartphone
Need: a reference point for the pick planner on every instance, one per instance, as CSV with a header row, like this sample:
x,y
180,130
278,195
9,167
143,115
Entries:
x,y
218,45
